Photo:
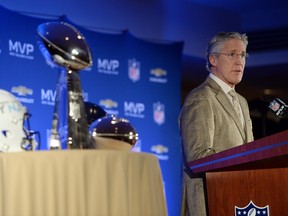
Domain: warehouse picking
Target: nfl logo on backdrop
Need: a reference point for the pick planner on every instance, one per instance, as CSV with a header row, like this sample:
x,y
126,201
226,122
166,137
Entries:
x,y
252,210
134,70
159,113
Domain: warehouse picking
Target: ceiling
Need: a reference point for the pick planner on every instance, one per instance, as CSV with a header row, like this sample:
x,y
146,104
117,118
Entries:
x,y
180,20
240,5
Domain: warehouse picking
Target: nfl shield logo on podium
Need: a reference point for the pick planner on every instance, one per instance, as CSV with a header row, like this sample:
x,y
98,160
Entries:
x,y
252,210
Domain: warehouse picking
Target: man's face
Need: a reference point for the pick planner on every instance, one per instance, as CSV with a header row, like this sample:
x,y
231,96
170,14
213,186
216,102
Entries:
x,y
229,64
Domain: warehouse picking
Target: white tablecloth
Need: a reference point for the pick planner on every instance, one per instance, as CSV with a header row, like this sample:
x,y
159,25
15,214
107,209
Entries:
x,y
81,183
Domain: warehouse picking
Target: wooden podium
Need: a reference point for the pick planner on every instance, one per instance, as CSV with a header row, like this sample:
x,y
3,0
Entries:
x,y
256,171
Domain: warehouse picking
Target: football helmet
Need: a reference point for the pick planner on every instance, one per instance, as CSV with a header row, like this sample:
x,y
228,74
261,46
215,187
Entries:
x,y
14,137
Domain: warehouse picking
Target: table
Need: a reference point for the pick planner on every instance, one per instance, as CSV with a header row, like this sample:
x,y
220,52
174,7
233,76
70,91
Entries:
x,y
81,183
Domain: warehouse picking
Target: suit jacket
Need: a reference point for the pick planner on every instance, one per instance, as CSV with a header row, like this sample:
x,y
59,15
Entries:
x,y
208,124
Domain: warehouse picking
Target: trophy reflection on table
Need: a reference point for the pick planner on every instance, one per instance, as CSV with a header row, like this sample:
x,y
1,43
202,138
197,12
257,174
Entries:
x,y
65,47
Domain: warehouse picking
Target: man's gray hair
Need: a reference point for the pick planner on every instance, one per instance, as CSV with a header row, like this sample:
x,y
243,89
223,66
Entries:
x,y
217,42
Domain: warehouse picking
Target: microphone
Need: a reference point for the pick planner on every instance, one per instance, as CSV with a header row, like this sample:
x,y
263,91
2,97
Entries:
x,y
278,107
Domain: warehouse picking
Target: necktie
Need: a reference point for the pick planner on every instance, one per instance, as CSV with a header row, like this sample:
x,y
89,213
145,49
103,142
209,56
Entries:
x,y
236,106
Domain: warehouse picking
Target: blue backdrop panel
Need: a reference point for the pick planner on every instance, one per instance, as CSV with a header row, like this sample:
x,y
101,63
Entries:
x,y
130,77
158,89
23,68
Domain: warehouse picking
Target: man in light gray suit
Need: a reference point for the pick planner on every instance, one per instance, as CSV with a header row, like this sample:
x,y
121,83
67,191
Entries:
x,y
208,121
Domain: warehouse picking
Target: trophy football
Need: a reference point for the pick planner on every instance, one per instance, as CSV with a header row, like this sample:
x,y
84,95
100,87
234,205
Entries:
x,y
111,132
65,47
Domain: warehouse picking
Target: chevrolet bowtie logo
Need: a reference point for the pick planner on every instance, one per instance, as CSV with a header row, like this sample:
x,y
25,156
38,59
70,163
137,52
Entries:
x,y
22,90
108,103
158,72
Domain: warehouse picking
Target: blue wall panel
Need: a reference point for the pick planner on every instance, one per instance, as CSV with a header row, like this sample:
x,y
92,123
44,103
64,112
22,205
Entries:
x,y
133,78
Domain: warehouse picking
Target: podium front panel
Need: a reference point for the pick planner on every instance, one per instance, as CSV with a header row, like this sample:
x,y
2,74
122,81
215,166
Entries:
x,y
227,190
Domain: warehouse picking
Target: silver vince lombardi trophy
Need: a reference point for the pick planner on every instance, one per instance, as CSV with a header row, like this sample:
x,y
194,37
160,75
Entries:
x,y
65,47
